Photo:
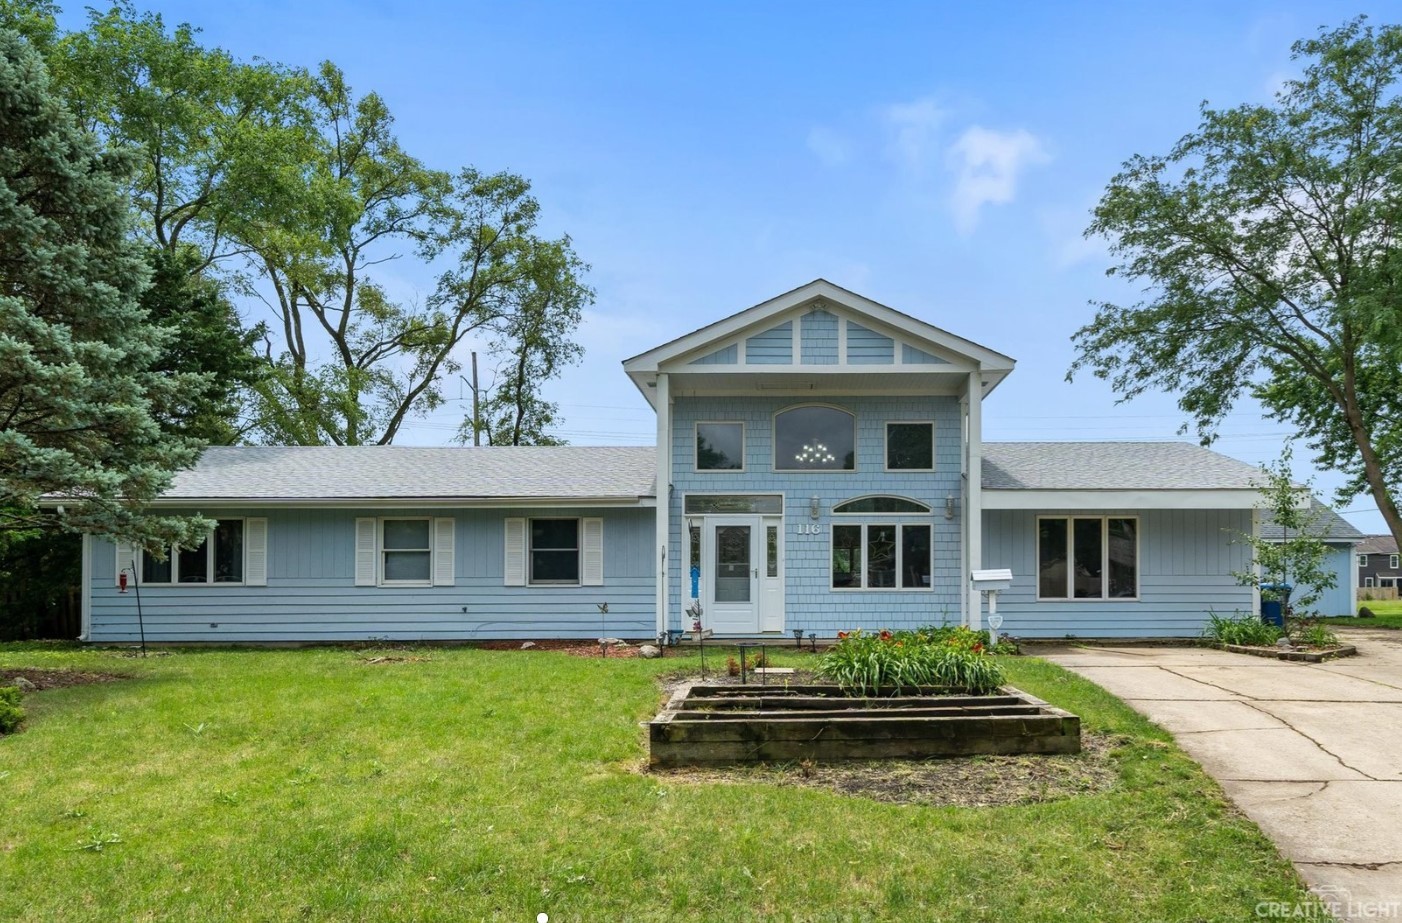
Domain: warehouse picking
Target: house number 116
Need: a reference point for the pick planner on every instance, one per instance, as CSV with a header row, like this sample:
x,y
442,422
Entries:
x,y
809,528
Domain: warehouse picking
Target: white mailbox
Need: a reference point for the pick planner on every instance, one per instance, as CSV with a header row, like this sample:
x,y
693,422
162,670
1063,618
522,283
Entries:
x,y
993,580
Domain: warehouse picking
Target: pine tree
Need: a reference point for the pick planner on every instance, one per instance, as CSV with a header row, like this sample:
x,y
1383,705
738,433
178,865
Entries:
x,y
77,352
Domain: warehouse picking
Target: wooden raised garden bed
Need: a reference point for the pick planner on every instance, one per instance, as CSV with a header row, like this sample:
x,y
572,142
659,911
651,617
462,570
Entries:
x,y
713,725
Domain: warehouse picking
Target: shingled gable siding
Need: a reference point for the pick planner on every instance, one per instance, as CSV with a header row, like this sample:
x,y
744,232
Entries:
x,y
819,338
810,603
1185,562
311,594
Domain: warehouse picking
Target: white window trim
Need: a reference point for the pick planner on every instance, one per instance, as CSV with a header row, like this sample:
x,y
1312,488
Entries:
x,y
381,551
926,511
140,554
696,447
886,444
1368,583
774,437
578,554
1392,562
1362,560
900,557
1104,560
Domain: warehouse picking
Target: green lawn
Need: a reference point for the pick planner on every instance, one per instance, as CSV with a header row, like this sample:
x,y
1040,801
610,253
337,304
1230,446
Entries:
x,y
309,785
1388,612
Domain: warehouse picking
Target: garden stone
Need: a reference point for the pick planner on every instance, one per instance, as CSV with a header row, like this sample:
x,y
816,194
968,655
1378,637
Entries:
x,y
1284,644
24,685
527,645
613,642
1366,613
649,652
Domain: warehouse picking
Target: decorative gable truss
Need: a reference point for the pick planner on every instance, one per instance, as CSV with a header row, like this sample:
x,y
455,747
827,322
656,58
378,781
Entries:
x,y
822,336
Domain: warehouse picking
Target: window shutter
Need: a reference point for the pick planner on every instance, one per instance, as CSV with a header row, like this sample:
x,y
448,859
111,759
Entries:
x,y
255,545
443,534
592,551
125,553
365,552
515,552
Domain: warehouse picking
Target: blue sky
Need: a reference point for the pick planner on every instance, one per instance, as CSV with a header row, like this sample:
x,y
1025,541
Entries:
x,y
938,158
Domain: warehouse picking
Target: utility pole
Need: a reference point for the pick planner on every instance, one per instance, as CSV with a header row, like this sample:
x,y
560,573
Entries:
x,y
476,405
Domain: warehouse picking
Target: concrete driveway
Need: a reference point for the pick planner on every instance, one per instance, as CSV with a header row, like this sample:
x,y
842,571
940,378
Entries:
x,y
1311,752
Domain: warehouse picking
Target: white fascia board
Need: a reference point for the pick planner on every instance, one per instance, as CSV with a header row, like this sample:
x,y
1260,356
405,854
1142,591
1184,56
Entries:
x,y
377,503
1120,499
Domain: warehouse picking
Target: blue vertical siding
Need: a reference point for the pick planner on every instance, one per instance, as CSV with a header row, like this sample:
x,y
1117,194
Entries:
x,y
819,333
311,594
867,347
772,347
1343,563
1186,558
810,603
728,355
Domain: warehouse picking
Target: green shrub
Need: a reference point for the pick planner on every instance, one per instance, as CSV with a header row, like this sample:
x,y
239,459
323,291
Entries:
x,y
866,663
1311,633
11,714
1241,629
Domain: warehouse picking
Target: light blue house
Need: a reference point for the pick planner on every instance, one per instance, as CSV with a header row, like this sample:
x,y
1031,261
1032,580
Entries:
x,y
811,472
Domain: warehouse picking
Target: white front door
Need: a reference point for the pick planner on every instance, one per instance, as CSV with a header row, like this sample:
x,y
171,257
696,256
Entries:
x,y
732,553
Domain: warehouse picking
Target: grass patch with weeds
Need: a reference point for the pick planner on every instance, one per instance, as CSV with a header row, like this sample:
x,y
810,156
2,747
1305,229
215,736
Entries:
x,y
480,785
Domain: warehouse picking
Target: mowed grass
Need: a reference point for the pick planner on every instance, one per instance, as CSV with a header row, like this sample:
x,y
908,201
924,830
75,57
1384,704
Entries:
x,y
1388,612
476,785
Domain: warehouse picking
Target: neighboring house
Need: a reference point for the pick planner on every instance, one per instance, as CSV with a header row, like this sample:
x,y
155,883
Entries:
x,y
811,472
1378,562
1340,538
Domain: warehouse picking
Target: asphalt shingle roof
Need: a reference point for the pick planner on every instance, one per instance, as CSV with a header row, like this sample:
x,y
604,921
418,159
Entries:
x,y
1327,524
390,472
1111,466
1377,544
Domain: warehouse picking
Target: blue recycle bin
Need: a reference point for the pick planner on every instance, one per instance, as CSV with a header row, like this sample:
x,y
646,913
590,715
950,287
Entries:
x,y
1273,610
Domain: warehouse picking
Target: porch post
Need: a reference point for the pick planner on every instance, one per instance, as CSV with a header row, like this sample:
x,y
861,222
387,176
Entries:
x,y
664,496
973,512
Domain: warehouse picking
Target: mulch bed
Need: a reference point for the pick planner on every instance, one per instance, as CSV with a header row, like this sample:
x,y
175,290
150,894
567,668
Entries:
x,y
971,782
575,648
54,679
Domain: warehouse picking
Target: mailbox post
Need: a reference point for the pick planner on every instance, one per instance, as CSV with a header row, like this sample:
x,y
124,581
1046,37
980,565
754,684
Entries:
x,y
989,582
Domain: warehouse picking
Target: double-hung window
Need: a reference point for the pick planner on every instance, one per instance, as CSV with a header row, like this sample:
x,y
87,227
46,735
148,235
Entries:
x,y
1087,557
554,555
405,551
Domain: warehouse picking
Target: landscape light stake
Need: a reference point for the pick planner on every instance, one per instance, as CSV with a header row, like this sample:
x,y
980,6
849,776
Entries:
x,y
798,637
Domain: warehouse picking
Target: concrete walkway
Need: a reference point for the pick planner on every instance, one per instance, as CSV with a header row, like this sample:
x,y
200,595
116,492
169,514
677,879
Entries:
x,y
1311,752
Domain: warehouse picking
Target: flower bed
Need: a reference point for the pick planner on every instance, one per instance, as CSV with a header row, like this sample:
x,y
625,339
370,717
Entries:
x,y
947,656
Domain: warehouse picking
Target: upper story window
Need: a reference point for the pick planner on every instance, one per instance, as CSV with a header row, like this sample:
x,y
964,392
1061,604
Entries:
x,y
910,446
815,438
217,559
720,447
1392,562
1362,560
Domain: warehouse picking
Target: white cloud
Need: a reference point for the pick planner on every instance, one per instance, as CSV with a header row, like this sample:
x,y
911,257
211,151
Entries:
x,y
828,146
913,127
988,164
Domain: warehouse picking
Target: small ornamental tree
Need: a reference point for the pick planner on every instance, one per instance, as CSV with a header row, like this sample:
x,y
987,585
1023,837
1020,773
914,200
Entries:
x,y
1298,557
77,352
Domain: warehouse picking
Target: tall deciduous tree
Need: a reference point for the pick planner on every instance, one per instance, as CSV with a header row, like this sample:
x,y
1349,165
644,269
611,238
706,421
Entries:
x,y
77,383
1270,240
350,358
